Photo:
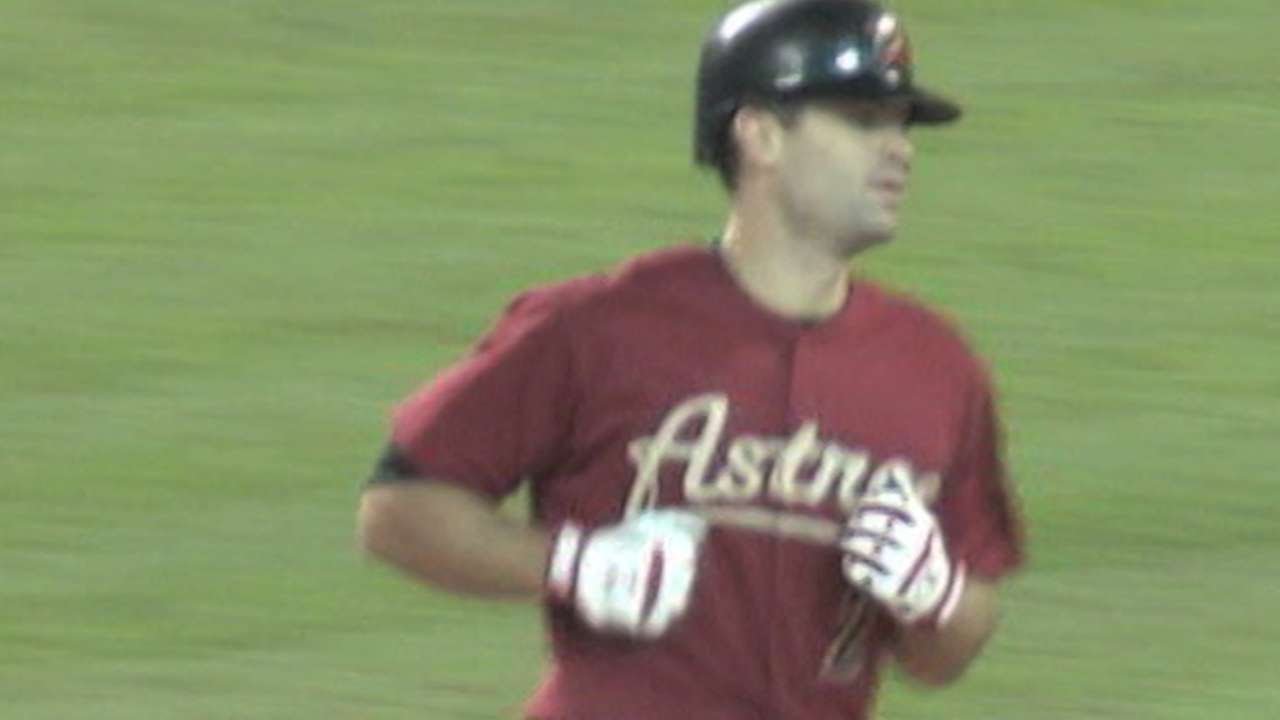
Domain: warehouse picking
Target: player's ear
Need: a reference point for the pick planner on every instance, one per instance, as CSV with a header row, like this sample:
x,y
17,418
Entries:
x,y
758,134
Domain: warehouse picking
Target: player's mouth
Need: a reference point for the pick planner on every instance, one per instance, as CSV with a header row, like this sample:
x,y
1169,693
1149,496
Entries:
x,y
891,189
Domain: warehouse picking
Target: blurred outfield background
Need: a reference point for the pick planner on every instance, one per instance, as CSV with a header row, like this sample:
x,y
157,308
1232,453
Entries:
x,y
232,233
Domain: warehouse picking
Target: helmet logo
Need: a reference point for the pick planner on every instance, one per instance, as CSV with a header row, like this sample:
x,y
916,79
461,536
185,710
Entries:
x,y
892,49
897,52
890,40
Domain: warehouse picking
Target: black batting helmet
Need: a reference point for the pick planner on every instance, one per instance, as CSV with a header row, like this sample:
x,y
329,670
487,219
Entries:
x,y
776,50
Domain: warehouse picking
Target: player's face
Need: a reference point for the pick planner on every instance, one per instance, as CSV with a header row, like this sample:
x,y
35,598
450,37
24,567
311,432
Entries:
x,y
843,172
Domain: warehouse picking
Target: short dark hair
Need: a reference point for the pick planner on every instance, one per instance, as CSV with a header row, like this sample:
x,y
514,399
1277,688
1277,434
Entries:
x,y
726,159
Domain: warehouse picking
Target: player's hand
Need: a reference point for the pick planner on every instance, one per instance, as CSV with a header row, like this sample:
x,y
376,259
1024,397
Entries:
x,y
894,551
633,578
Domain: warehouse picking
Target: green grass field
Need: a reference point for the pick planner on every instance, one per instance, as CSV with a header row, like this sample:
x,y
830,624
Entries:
x,y
233,233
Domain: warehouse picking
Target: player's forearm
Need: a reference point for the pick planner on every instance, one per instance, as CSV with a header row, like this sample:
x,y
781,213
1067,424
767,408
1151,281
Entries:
x,y
938,657
452,539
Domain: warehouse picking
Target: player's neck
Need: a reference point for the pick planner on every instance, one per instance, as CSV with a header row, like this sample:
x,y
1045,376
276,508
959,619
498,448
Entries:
x,y
786,276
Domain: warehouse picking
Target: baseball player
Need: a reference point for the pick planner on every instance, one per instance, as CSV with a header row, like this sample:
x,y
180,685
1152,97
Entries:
x,y
755,479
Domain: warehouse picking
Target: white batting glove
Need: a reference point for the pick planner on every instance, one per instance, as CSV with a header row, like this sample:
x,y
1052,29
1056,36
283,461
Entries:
x,y
633,578
894,551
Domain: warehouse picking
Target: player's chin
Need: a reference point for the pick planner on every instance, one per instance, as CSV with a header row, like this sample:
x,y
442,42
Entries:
x,y
869,236
885,226
862,243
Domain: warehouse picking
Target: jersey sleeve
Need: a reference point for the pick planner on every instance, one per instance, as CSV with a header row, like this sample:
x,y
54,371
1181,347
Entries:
x,y
979,511
500,414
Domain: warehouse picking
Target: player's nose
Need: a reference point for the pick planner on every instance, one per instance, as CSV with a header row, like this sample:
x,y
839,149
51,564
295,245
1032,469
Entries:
x,y
901,149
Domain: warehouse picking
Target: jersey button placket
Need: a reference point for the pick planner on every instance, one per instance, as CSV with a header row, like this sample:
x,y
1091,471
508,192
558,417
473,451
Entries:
x,y
802,407
792,349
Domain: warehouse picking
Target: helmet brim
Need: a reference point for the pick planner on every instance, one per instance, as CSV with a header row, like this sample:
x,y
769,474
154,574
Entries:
x,y
929,108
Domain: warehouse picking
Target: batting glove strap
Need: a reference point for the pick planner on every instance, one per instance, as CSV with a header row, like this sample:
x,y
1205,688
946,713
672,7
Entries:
x,y
562,566
951,598
929,586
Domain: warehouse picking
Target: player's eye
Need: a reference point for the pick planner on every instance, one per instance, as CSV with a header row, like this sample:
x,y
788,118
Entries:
x,y
873,116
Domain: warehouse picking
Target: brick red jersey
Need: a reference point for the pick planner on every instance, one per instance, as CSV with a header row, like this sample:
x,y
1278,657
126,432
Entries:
x,y
663,384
